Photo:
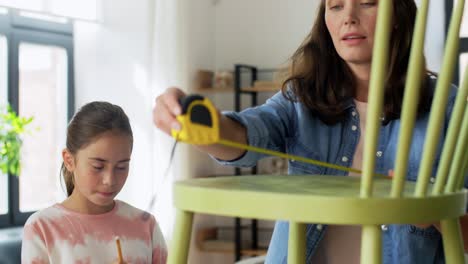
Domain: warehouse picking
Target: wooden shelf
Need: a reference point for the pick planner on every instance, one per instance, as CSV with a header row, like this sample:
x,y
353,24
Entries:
x,y
255,89
214,175
261,89
224,246
207,240
209,90
254,252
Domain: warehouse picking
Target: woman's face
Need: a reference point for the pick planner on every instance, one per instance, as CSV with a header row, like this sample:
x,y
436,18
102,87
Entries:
x,y
351,24
101,169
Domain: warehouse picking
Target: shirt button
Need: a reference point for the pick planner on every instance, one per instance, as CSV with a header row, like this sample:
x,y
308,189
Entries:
x,y
353,113
432,179
344,159
319,227
384,227
379,153
353,128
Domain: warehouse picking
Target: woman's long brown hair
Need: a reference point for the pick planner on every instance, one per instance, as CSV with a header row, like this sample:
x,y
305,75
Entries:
x,y
320,79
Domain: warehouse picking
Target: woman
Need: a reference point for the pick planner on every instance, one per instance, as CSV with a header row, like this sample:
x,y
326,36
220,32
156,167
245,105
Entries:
x,y
320,114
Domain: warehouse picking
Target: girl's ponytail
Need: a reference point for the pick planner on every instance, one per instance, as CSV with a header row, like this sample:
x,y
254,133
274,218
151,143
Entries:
x,y
68,179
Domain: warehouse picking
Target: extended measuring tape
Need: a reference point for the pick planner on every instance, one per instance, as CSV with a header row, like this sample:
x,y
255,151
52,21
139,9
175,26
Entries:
x,y
200,126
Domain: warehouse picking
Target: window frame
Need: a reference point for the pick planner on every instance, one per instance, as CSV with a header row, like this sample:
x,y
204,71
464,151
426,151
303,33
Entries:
x,y
18,29
5,31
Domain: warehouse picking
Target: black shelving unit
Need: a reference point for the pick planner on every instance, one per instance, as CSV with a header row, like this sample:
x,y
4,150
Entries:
x,y
245,77
253,72
238,68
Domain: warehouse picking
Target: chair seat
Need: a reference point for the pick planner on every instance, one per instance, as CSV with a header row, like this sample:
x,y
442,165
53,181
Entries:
x,y
313,199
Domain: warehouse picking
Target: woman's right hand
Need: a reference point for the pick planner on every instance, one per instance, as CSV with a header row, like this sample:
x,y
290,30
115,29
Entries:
x,y
166,109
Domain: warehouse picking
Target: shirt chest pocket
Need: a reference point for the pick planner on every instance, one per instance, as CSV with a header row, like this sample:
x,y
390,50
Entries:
x,y
298,167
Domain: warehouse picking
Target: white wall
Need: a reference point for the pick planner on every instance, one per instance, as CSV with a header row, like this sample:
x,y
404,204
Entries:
x,y
267,32
260,32
112,61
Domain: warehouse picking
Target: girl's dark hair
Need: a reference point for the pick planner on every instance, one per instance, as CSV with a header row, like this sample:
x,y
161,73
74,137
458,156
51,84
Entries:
x,y
320,79
87,124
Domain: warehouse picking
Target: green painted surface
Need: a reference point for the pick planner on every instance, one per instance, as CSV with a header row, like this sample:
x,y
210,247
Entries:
x,y
371,246
313,199
376,94
453,242
410,100
297,243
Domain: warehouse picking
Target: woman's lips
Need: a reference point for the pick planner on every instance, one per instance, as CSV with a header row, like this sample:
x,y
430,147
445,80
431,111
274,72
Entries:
x,y
353,39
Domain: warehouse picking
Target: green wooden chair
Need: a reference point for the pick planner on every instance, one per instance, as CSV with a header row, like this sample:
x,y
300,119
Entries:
x,y
368,201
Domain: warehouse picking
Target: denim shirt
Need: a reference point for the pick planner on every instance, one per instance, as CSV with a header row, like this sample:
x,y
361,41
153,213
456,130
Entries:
x,y
290,127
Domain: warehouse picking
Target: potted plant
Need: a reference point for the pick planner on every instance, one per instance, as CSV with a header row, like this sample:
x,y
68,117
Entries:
x,y
12,127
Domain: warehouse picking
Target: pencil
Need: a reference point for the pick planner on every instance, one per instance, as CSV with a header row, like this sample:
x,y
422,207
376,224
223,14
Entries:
x,y
119,249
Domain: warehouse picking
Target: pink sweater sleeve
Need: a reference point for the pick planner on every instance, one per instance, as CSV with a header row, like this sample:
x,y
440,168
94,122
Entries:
x,y
33,248
159,244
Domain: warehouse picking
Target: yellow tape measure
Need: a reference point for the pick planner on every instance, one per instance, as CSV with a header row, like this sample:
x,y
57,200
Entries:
x,y
199,121
200,126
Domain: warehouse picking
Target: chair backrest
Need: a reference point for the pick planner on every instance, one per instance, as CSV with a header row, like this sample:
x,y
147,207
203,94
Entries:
x,y
454,157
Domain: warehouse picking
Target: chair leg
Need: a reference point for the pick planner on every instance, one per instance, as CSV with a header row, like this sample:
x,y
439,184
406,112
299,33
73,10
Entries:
x,y
371,246
178,252
453,242
297,243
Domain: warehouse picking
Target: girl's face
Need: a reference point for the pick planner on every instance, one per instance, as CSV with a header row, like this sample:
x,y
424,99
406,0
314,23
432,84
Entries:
x,y
351,24
100,170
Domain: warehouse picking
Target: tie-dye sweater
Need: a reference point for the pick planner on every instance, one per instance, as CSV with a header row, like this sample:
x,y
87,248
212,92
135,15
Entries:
x,y
59,235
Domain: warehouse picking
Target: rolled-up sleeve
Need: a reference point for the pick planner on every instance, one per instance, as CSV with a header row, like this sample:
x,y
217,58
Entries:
x,y
267,126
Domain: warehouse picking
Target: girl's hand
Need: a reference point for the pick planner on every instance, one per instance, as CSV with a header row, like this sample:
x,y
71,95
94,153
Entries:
x,y
166,109
390,173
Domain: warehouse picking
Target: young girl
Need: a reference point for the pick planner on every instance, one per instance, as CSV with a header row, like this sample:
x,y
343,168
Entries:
x,y
84,227
320,114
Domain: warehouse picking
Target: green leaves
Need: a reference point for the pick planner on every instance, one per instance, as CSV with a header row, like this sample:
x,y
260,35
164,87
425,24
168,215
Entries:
x,y
12,127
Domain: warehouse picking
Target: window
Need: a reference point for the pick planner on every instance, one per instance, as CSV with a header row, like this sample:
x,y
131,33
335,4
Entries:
x,y
43,86
463,51
37,57
464,26
81,9
463,64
